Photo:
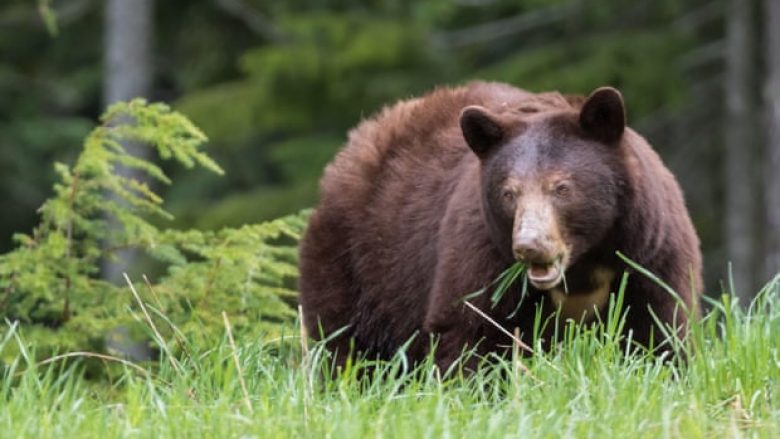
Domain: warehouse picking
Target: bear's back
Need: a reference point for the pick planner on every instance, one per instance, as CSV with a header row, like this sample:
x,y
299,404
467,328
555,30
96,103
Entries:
x,y
419,135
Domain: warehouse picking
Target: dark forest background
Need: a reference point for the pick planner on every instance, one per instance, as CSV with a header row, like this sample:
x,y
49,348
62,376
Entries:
x,y
276,84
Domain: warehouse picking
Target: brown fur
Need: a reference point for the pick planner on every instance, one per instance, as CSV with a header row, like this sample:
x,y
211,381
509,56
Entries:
x,y
402,230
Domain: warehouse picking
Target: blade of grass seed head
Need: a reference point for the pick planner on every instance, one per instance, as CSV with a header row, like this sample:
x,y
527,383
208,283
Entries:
x,y
181,340
157,335
152,292
305,366
95,355
303,333
241,381
519,342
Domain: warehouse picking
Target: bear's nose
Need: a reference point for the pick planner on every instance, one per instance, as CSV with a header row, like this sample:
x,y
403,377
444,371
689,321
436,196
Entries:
x,y
531,250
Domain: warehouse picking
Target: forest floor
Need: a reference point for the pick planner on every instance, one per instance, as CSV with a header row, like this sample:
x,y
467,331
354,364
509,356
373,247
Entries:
x,y
585,387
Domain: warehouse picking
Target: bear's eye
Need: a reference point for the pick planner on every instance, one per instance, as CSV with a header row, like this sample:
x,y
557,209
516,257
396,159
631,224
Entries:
x,y
562,189
508,195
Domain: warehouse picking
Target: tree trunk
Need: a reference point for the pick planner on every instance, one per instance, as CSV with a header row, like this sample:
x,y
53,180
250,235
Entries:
x,y
739,208
772,95
128,36
128,28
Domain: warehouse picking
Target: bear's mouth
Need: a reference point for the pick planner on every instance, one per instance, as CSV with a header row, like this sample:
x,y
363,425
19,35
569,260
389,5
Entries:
x,y
545,275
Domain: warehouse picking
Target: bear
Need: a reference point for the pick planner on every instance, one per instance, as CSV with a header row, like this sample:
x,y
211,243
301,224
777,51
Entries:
x,y
434,197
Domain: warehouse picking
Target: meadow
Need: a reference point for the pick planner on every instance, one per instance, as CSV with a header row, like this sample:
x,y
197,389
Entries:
x,y
586,386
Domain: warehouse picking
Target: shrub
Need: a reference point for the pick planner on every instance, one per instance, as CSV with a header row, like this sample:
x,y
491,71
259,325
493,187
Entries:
x,y
51,283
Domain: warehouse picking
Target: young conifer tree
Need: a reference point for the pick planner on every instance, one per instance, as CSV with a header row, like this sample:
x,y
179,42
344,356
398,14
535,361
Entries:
x,y
51,284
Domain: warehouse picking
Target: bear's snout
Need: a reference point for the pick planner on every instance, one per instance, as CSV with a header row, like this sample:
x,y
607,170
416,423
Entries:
x,y
536,239
532,249
543,256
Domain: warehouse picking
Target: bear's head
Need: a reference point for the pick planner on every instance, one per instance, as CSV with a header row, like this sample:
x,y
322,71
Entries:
x,y
551,181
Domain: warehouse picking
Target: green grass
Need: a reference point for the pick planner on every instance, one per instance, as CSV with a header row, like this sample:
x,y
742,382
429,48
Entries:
x,y
585,387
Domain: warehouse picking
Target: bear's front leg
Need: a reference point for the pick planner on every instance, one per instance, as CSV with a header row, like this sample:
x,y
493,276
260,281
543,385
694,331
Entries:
x,y
455,328
451,341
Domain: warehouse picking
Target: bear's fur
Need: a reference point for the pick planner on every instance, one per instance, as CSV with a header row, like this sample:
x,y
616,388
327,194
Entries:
x,y
434,197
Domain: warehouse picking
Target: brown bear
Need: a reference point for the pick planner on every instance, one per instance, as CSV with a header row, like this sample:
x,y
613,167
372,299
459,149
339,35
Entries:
x,y
434,197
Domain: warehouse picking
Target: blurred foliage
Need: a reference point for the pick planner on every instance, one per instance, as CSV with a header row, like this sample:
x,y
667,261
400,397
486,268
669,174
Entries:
x,y
51,282
278,84
297,100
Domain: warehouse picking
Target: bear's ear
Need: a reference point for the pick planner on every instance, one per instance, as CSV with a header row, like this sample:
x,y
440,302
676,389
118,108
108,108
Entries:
x,y
603,115
481,129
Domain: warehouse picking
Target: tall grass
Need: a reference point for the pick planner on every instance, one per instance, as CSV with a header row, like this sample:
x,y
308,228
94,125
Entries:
x,y
586,386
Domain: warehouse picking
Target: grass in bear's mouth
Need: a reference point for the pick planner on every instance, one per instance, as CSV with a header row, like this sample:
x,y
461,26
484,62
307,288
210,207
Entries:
x,y
502,283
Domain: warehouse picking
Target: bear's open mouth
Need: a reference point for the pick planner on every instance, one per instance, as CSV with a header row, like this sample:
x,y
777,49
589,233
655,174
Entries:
x,y
546,275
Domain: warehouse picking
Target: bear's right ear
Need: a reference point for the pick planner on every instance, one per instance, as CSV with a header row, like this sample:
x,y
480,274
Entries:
x,y
481,129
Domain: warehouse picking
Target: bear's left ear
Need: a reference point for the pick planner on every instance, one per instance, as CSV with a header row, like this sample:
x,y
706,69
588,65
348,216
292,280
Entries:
x,y
481,129
603,116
